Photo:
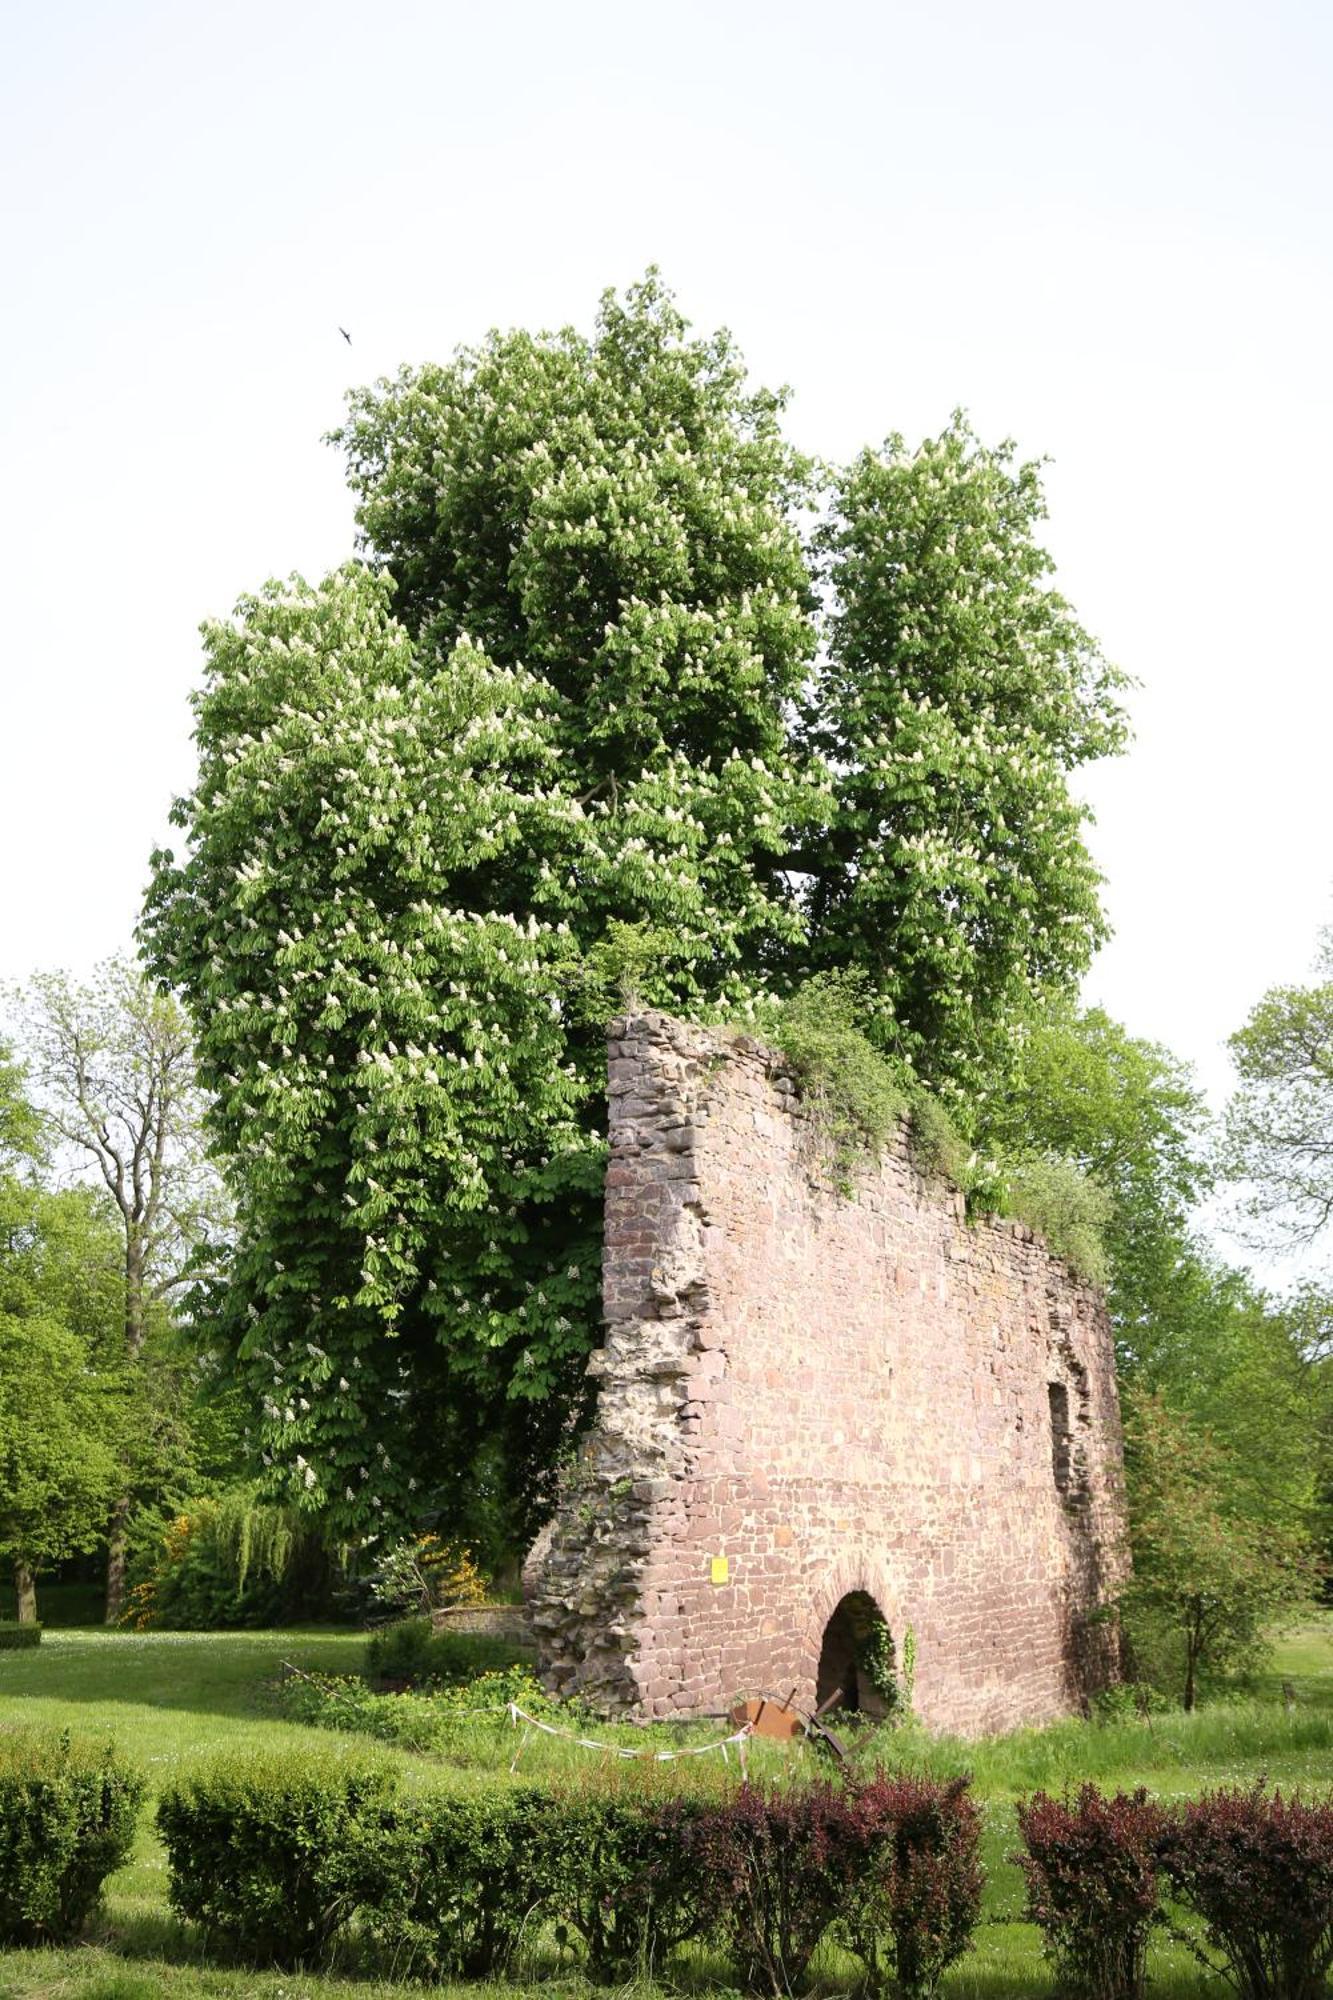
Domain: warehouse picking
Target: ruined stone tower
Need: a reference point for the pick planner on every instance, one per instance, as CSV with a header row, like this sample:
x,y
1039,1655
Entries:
x,y
815,1405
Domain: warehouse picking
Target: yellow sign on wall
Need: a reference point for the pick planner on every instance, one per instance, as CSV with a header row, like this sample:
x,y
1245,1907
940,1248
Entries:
x,y
719,1569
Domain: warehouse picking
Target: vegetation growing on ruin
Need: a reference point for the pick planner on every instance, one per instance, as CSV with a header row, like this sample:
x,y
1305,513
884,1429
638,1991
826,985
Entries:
x,y
1054,1196
859,1097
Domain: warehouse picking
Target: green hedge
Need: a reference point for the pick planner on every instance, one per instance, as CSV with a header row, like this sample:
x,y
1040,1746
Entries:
x,y
68,1809
278,1858
15,1638
261,1850
622,1866
447,1886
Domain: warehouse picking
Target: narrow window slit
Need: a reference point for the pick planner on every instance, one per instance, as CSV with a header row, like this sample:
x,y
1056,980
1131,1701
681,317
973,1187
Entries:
x,y
1062,1443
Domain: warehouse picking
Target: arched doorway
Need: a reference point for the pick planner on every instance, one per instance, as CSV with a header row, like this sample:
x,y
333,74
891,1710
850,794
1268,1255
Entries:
x,y
856,1656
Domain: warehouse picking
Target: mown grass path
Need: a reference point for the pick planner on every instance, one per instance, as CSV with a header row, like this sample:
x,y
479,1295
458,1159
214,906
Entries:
x,y
168,1698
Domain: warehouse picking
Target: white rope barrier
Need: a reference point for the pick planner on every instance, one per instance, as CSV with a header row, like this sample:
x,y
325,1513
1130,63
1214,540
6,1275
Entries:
x,y
739,1738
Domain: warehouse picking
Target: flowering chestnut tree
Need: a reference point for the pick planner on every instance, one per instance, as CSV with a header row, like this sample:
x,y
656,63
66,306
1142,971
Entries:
x,y
956,694
425,792
569,712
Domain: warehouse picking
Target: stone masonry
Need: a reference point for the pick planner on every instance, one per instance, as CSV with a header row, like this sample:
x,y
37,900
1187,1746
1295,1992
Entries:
x,y
807,1393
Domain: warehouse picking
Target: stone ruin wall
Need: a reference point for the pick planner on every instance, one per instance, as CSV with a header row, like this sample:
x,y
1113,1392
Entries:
x,y
805,1393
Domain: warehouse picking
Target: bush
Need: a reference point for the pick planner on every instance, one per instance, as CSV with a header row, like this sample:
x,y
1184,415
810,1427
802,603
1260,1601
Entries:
x,y
16,1638
1258,1869
411,1650
259,1850
422,1571
68,1810
432,1718
1129,1701
621,1866
445,1886
917,1897
1093,1886
775,1868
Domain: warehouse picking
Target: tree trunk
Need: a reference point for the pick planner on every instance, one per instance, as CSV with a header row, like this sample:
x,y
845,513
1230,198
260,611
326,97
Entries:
x,y
120,1513
25,1589
115,1562
1191,1661
134,1296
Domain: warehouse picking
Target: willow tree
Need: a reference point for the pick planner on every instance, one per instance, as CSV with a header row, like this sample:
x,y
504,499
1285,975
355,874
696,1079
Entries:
x,y
567,713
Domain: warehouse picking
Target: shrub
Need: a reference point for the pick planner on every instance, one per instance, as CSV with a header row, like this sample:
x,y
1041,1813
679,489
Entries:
x,y
775,1868
258,1850
1093,1886
916,1899
1055,1197
620,1866
422,1571
1258,1869
16,1638
68,1809
445,1885
411,1650
1129,1701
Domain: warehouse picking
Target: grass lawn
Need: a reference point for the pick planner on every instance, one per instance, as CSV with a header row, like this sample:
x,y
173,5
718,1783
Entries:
x,y
168,1698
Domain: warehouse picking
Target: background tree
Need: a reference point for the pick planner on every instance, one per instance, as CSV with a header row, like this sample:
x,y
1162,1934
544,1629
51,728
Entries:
x,y
1279,1156
1204,1350
20,1121
572,707
1209,1573
62,1415
62,1423
113,1065
1308,1313
1280,1121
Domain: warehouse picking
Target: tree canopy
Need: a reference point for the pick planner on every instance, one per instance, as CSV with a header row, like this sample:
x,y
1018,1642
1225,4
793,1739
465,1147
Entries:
x,y
595,693
956,694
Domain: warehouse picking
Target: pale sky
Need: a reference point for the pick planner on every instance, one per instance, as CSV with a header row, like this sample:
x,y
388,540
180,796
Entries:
x,y
1106,232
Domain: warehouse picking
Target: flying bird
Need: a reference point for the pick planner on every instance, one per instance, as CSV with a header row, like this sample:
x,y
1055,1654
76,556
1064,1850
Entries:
x,y
345,334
